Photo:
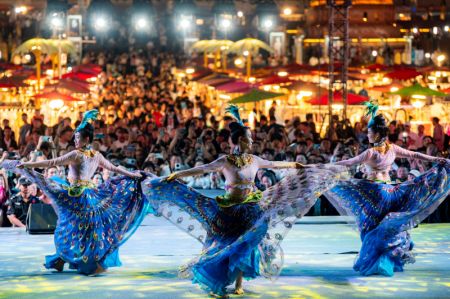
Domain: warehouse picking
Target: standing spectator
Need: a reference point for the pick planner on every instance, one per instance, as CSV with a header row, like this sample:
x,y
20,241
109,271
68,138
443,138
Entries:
x,y
420,136
19,204
393,132
64,139
8,143
24,129
272,112
438,133
411,136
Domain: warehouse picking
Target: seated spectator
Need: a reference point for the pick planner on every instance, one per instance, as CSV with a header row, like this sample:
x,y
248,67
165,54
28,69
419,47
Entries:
x,y
413,173
97,179
402,174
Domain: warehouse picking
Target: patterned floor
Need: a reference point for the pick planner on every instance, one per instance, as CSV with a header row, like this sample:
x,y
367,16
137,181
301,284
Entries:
x,y
319,256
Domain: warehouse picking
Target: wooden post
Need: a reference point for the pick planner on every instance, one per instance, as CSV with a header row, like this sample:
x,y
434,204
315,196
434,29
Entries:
x,y
216,60
205,59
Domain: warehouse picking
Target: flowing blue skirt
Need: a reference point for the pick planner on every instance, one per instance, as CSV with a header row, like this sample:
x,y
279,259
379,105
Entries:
x,y
92,226
384,214
228,248
245,237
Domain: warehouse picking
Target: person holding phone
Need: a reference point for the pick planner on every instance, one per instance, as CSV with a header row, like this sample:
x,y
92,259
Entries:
x,y
106,216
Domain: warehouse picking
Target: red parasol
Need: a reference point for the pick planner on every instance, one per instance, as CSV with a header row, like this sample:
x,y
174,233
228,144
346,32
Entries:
x,y
376,67
79,76
352,99
275,79
403,74
236,86
55,95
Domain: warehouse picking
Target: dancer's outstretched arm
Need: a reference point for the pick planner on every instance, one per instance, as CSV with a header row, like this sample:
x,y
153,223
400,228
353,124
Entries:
x,y
104,163
404,153
214,166
60,161
262,163
361,158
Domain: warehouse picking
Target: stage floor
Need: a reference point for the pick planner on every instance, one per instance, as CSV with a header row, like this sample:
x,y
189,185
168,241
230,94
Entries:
x,y
319,254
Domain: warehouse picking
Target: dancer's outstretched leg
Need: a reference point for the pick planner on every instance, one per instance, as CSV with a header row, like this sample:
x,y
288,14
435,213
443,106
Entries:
x,y
239,290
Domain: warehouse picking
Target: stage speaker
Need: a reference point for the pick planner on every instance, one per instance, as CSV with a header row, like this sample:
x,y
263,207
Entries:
x,y
41,219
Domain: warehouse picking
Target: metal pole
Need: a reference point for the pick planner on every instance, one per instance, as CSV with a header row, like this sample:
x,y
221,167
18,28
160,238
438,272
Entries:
x,y
330,67
59,58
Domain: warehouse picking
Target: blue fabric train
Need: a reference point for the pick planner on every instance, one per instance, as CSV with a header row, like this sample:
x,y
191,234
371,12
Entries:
x,y
384,214
92,222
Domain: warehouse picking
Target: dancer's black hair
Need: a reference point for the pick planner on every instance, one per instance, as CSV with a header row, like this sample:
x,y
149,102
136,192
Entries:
x,y
238,129
86,129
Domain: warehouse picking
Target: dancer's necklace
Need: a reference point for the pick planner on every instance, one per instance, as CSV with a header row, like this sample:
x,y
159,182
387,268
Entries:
x,y
381,147
240,160
87,151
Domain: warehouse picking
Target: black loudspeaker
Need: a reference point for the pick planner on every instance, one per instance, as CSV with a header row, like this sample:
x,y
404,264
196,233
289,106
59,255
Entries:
x,y
41,219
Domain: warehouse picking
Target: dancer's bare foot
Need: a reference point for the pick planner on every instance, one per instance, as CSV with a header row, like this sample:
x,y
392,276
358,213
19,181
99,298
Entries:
x,y
59,265
224,296
239,291
98,271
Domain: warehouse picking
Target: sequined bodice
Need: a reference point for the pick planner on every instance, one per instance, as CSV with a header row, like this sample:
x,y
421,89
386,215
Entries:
x,y
378,165
83,167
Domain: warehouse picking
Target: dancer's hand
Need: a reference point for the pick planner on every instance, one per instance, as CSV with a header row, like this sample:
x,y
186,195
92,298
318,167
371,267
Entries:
x,y
171,177
442,161
299,165
20,165
137,174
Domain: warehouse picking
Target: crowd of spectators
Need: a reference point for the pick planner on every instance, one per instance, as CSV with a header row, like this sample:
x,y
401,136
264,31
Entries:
x,y
151,120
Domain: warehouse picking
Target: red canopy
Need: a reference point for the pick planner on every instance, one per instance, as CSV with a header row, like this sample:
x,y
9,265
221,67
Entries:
x,y
386,88
79,75
68,85
352,99
9,66
376,67
89,68
403,74
236,86
12,82
447,90
275,79
55,95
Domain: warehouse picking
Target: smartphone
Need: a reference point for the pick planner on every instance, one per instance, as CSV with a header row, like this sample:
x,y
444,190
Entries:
x,y
130,161
99,136
131,148
46,138
161,132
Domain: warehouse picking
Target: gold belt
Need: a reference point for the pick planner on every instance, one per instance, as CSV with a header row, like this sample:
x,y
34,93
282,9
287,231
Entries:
x,y
77,187
225,201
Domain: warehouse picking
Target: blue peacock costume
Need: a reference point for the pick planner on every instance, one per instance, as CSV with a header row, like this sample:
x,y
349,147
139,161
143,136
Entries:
x,y
242,230
384,211
92,221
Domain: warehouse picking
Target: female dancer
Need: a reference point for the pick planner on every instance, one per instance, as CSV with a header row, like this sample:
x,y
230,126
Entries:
x,y
385,212
92,222
237,240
